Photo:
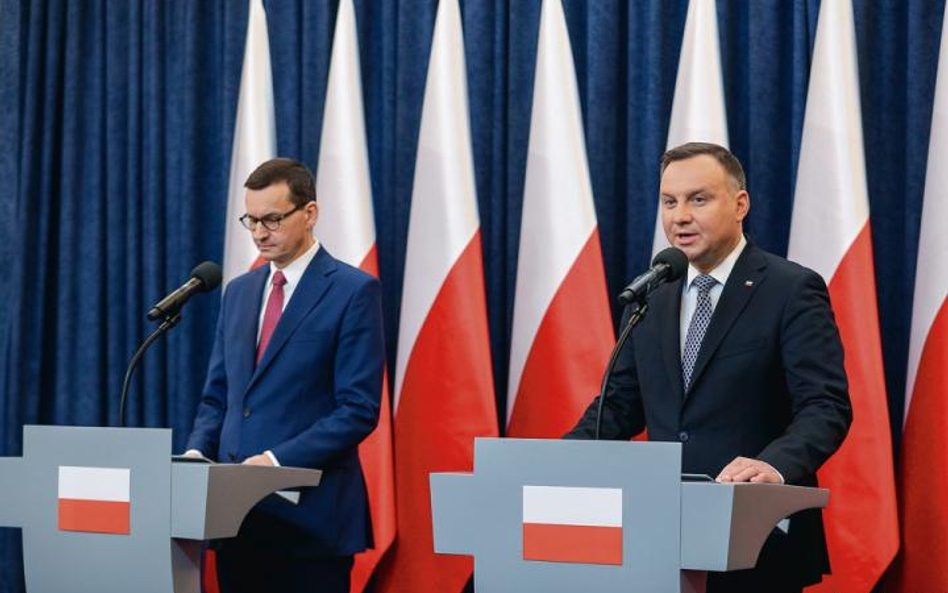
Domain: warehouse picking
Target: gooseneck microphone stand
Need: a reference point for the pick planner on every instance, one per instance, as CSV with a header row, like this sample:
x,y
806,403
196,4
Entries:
x,y
168,322
638,312
669,265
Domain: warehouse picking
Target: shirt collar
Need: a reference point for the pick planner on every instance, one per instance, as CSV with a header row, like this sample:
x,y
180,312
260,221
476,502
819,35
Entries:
x,y
294,270
723,269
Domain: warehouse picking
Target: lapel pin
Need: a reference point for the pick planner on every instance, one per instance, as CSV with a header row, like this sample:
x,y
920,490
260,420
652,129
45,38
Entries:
x,y
748,283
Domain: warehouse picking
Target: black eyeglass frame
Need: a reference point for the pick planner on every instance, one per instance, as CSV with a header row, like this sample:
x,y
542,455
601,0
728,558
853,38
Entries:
x,y
271,222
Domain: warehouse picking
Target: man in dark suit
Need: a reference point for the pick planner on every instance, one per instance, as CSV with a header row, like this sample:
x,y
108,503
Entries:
x,y
294,379
741,362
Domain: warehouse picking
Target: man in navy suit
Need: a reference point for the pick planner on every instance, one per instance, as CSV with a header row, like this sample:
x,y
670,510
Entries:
x,y
294,379
741,362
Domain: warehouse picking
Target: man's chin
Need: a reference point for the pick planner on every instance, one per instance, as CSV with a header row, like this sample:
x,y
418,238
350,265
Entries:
x,y
690,250
263,258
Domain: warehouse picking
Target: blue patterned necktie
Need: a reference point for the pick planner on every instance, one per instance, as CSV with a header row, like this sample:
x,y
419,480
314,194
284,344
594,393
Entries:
x,y
697,327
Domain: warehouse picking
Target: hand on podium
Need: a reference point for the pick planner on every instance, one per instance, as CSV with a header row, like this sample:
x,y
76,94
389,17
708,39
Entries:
x,y
745,469
195,454
261,459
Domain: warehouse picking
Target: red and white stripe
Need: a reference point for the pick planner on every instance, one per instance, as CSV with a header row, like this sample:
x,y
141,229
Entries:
x,y
556,356
569,524
444,394
698,109
95,499
254,140
346,226
830,233
923,562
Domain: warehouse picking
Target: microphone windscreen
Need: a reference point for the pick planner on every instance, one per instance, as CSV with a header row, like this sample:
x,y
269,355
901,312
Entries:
x,y
675,259
208,274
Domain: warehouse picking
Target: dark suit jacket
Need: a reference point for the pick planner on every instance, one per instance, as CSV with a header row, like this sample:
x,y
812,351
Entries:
x,y
311,400
768,383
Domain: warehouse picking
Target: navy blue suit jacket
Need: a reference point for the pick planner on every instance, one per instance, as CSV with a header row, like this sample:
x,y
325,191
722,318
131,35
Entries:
x,y
312,399
768,383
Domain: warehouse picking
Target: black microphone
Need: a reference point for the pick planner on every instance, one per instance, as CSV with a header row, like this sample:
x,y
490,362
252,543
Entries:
x,y
205,277
669,265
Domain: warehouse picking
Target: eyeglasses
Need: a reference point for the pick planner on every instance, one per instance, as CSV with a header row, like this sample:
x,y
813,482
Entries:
x,y
271,222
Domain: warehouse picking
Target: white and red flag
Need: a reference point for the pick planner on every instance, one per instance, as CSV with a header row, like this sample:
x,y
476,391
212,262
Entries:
x,y
444,391
346,226
698,109
254,140
557,355
569,524
923,562
95,499
830,233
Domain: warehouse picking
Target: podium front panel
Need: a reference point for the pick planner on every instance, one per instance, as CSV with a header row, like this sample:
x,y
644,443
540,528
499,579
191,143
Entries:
x,y
99,498
525,491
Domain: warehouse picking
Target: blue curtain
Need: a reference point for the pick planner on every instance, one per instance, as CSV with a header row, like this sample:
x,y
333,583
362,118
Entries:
x,y
115,140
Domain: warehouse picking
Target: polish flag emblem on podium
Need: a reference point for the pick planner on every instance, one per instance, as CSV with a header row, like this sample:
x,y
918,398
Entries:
x,y
568,524
94,499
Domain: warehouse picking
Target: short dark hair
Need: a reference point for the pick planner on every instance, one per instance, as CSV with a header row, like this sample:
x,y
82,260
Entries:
x,y
725,157
296,175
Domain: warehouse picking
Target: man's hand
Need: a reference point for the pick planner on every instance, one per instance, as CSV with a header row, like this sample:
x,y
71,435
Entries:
x,y
259,460
744,469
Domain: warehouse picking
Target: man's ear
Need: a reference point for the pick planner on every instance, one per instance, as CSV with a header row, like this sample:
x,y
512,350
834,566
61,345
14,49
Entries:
x,y
743,204
312,213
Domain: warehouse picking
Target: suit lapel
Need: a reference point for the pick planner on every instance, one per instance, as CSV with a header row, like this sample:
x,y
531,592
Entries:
x,y
667,311
313,285
245,342
749,271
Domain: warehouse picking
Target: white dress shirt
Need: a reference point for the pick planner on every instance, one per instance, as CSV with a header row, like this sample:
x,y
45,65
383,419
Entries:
x,y
293,273
689,295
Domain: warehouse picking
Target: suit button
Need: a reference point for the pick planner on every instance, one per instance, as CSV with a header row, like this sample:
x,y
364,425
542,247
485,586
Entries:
x,y
683,436
247,412
232,457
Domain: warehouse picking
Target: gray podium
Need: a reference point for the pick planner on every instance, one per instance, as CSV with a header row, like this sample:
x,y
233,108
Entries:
x,y
106,510
563,516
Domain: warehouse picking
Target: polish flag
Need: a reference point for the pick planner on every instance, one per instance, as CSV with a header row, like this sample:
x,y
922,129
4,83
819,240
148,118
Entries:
x,y
346,226
556,356
563,524
698,110
254,140
923,562
94,499
444,394
830,234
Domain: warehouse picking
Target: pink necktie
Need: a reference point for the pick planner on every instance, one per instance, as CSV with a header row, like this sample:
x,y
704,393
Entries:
x,y
272,315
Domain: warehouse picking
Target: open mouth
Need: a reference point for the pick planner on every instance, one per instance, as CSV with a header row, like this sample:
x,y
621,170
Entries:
x,y
686,238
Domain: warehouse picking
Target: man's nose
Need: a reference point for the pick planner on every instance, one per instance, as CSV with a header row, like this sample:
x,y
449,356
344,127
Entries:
x,y
681,214
260,231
